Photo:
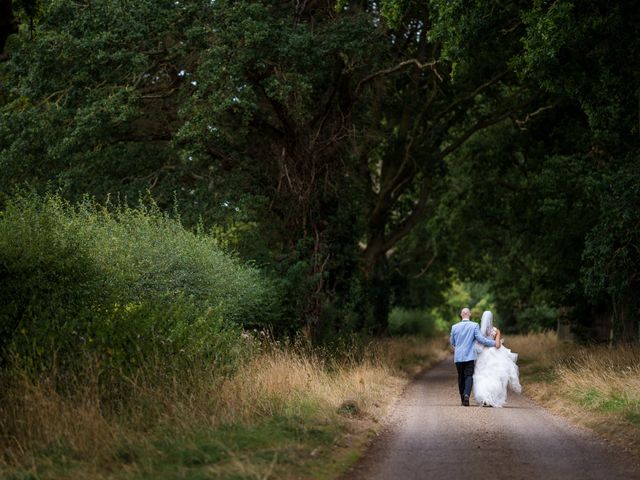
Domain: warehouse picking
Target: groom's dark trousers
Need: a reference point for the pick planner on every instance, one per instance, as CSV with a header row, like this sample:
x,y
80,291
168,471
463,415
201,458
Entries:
x,y
465,377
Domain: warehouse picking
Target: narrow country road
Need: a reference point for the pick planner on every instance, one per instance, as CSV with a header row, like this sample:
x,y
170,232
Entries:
x,y
430,436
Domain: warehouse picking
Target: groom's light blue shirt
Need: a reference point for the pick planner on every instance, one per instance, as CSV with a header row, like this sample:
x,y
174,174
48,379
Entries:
x,y
464,335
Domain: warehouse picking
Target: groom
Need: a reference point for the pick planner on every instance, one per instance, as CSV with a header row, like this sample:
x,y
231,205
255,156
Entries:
x,y
464,334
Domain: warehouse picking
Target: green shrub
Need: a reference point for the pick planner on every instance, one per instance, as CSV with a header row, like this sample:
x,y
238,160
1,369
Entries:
x,y
537,318
122,283
404,321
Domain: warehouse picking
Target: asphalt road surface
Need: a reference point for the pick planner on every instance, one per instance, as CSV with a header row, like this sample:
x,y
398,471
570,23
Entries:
x,y
429,435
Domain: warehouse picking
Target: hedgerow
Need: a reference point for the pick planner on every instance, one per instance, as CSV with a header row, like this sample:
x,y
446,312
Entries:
x,y
121,284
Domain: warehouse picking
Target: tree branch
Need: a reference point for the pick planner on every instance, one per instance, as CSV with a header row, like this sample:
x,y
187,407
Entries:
x,y
404,228
521,123
391,191
388,71
471,95
278,108
427,267
323,114
480,125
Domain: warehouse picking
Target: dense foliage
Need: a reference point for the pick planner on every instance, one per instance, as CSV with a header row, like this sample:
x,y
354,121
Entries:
x,y
366,154
130,286
551,199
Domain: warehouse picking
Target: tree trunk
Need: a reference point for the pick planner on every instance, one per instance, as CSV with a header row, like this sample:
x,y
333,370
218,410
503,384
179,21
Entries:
x,y
377,292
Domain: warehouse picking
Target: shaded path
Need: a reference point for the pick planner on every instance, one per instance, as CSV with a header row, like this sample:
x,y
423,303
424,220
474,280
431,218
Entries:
x,y
429,435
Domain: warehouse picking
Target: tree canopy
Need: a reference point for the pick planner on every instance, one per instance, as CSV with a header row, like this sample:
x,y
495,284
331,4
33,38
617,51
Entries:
x,y
365,153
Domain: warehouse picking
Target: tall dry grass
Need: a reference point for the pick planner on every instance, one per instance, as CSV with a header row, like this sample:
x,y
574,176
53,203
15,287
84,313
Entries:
x,y
611,371
77,416
539,346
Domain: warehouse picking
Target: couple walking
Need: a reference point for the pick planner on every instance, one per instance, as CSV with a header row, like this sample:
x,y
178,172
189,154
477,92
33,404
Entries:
x,y
483,364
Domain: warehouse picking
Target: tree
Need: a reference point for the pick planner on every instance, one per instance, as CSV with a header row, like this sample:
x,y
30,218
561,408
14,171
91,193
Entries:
x,y
312,103
425,115
552,217
316,115
94,110
321,139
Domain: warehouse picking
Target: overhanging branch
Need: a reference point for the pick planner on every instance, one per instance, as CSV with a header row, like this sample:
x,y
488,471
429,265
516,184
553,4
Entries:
x,y
472,94
481,125
521,123
407,63
404,228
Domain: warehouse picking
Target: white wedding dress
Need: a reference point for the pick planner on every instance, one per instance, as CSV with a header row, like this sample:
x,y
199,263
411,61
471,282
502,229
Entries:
x,y
495,369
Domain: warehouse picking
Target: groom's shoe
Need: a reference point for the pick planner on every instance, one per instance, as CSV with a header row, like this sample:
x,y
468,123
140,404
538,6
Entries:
x,y
465,401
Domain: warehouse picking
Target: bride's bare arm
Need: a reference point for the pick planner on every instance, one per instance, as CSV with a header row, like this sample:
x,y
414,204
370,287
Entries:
x,y
497,338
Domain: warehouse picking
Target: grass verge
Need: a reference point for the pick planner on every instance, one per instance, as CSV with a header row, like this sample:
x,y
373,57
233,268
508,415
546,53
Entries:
x,y
289,412
597,387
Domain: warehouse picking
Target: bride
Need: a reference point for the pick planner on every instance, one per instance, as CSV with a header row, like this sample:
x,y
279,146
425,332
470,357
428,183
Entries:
x,y
495,369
